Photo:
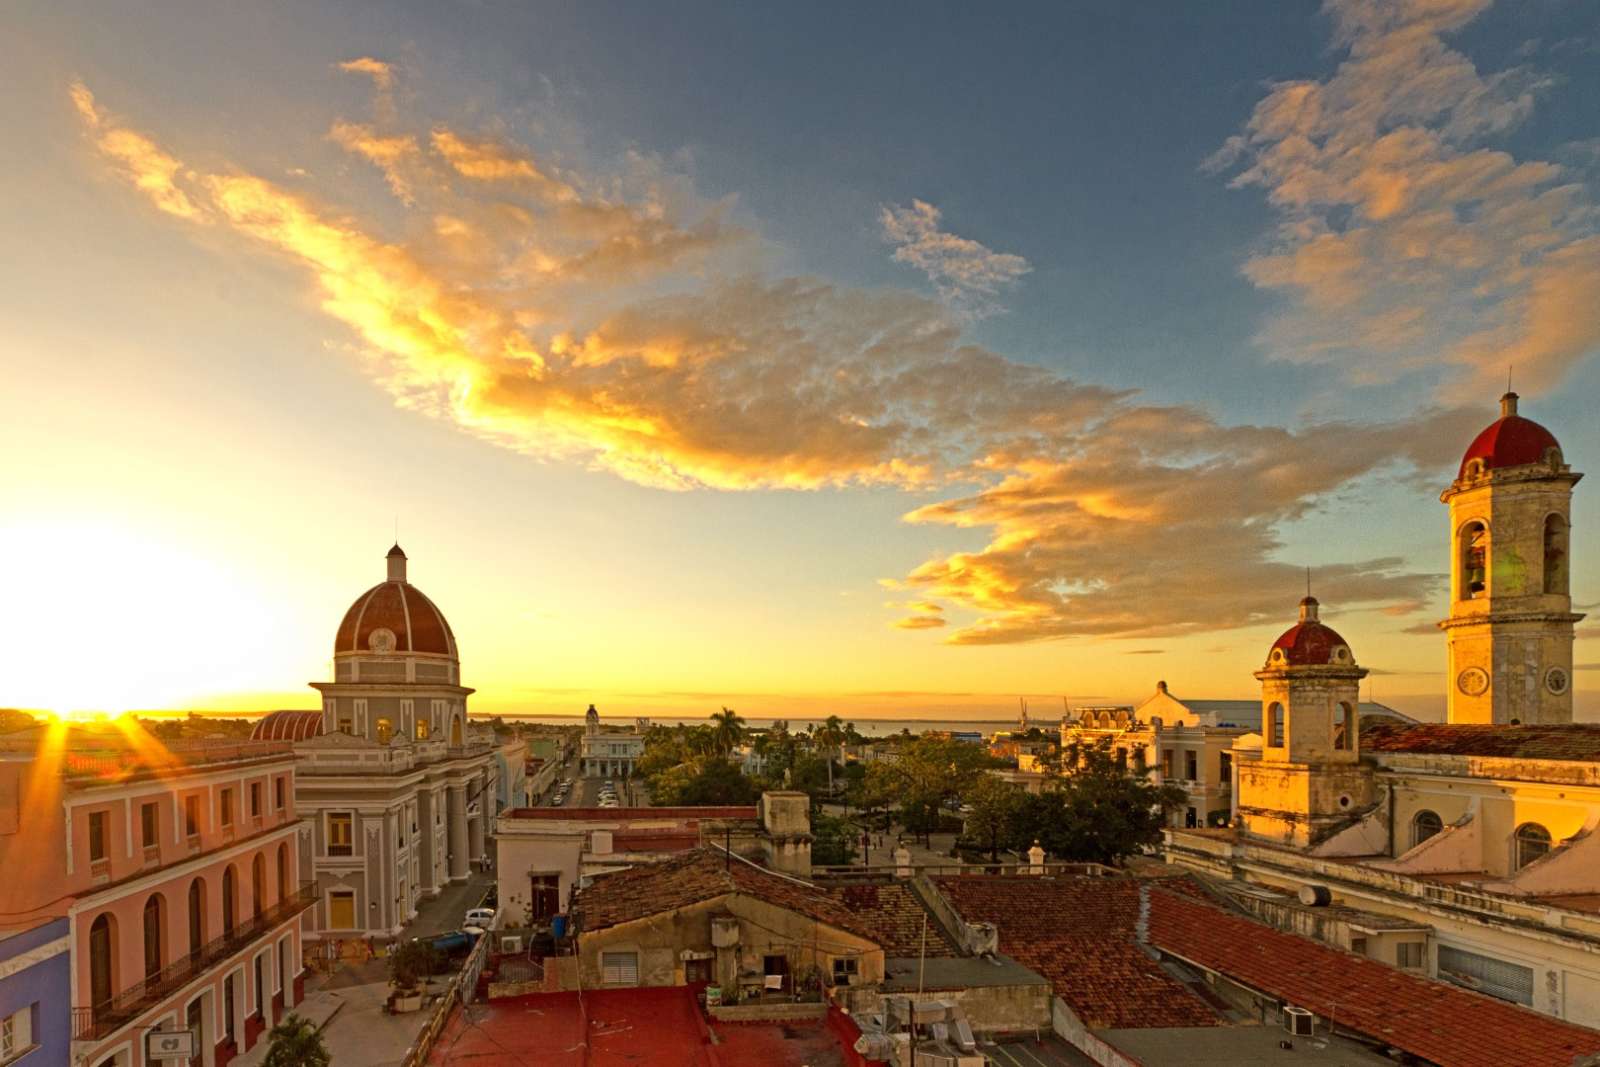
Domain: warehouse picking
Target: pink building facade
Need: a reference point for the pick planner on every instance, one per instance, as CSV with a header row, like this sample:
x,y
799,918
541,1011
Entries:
x,y
179,874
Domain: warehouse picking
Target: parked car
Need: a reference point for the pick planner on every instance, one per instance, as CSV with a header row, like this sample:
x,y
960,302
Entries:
x,y
482,918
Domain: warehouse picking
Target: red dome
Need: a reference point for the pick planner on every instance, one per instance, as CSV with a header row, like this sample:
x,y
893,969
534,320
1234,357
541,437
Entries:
x,y
398,607
1509,441
1308,642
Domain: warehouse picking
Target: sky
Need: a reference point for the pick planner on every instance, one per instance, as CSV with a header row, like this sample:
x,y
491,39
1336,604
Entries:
x,y
833,358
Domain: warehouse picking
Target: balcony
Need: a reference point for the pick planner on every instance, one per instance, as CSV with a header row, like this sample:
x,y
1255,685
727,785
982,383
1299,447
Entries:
x,y
99,1020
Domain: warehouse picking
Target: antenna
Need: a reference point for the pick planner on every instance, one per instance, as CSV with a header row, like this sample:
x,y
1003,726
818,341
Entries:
x,y
1308,581
1508,376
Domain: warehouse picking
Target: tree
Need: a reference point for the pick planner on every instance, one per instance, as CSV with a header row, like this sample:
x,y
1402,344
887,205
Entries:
x,y
833,841
727,727
410,963
830,736
995,806
296,1043
710,781
1101,812
930,773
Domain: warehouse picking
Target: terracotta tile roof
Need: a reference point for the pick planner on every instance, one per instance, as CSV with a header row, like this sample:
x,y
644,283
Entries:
x,y
1432,1020
1573,741
896,915
653,841
1080,933
700,876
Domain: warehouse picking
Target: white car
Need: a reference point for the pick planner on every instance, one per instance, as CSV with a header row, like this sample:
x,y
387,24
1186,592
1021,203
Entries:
x,y
482,918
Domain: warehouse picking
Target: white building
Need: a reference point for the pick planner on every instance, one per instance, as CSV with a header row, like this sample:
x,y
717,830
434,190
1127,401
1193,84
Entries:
x,y
609,754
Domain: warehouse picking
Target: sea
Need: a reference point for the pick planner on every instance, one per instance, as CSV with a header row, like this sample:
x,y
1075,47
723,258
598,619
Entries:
x,y
866,727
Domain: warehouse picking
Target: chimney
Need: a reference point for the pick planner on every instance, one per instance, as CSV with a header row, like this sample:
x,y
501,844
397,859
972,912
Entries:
x,y
1508,405
1036,859
600,842
397,564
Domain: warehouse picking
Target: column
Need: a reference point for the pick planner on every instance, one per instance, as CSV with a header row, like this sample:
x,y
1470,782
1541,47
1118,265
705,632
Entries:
x,y
475,823
427,801
456,810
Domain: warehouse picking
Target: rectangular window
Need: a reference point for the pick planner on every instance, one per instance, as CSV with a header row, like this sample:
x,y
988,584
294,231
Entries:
x,y
845,970
225,803
279,787
1358,945
341,837
99,841
1508,981
1408,954
1191,765
191,816
1166,763
341,910
619,968
149,836
16,1034
1225,770
255,798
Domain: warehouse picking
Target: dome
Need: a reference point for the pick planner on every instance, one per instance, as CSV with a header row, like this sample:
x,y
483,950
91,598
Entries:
x,y
394,616
1509,441
1308,643
287,726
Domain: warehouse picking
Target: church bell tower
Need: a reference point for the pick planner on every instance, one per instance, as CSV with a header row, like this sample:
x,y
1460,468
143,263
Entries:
x,y
1511,617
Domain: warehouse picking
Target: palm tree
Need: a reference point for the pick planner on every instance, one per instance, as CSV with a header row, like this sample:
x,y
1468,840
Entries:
x,y
295,1042
830,737
727,727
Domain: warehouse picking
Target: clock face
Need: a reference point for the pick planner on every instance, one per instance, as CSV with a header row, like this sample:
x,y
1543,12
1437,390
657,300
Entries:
x,y
1556,680
1472,681
381,641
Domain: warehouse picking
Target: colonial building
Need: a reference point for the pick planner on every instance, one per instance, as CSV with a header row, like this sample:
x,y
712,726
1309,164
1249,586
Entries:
x,y
1187,743
170,873
610,753
398,789
1465,850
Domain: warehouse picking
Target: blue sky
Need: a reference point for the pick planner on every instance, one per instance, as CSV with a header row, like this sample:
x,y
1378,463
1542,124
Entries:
x,y
182,377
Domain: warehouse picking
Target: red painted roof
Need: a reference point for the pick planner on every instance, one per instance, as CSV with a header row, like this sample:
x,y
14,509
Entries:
x,y
1509,441
402,609
646,1027
1434,1021
287,726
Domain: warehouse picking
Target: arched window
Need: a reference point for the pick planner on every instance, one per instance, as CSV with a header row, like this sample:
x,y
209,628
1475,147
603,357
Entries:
x,y
102,961
1532,841
385,731
1274,731
1424,824
283,871
1344,726
153,953
1555,555
455,731
1474,580
197,915
258,884
230,899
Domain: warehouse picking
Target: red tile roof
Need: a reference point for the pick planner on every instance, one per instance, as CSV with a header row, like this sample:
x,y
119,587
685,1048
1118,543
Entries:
x,y
1509,441
1080,933
1432,1020
1571,741
403,610
896,915
700,876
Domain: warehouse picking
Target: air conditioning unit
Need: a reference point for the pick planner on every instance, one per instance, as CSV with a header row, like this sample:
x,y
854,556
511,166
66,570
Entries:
x,y
1299,1022
511,943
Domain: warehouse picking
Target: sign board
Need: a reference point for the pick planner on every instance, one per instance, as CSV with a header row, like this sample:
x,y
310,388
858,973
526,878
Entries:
x,y
171,1044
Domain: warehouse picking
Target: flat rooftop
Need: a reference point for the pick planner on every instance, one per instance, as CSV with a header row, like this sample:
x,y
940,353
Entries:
x,y
1230,1046
945,973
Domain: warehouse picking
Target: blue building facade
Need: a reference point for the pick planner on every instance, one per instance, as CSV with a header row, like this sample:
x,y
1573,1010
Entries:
x,y
36,996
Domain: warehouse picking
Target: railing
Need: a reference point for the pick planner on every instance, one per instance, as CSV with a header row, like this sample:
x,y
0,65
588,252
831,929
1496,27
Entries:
x,y
109,762
94,1022
463,986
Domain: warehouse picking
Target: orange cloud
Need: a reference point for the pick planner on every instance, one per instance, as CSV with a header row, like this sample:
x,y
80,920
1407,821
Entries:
x,y
611,329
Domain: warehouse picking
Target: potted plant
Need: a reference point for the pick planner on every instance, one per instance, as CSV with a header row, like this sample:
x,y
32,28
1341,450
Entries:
x,y
410,965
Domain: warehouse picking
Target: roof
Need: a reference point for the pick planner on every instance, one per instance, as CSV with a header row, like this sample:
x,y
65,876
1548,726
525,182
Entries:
x,y
403,610
1567,741
1309,642
941,974
1432,1020
1246,714
287,726
893,911
1230,1046
700,876
1509,441
1080,932
624,814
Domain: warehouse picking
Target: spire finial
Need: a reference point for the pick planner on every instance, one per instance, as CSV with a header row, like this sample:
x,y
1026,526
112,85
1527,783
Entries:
x,y
1308,581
